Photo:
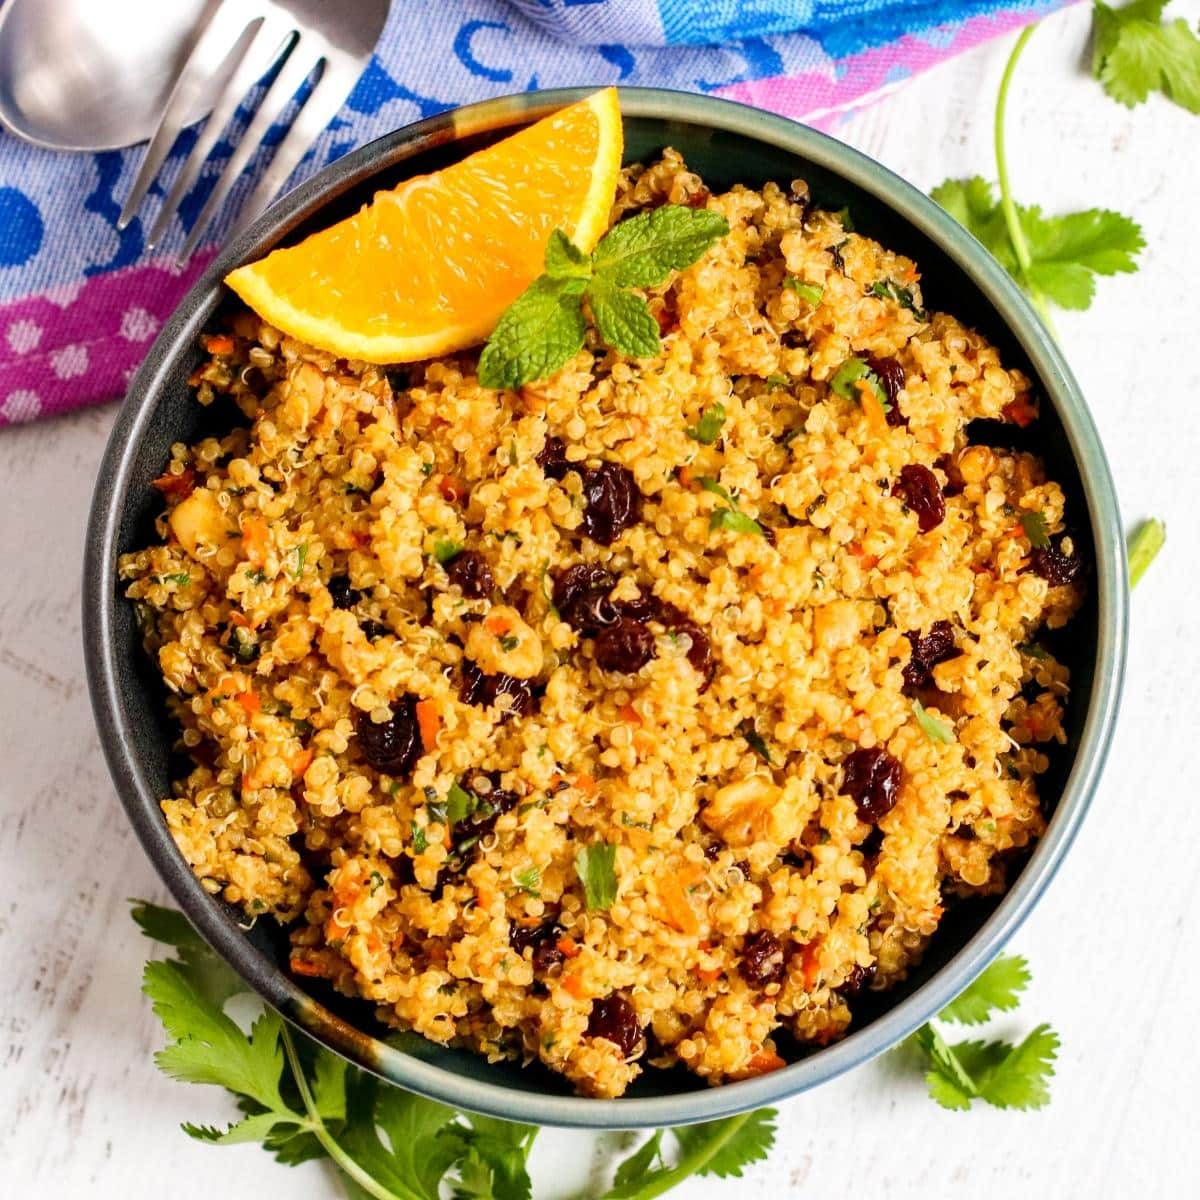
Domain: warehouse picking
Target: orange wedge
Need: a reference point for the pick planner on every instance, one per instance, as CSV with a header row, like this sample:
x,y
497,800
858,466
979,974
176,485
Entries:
x,y
428,267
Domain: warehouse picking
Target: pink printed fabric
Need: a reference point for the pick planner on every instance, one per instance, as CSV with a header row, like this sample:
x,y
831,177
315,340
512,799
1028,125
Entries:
x,y
79,342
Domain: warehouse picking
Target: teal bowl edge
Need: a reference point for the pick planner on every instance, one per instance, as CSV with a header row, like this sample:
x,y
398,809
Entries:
x,y
1111,582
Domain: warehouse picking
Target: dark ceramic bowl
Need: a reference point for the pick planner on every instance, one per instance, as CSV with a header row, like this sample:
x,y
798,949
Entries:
x,y
727,143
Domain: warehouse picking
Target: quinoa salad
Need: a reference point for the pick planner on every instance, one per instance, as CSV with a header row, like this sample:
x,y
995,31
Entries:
x,y
648,715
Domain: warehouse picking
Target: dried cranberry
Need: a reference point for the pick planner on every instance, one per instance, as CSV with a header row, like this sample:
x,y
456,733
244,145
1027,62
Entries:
x,y
470,571
858,979
871,845
484,690
581,597
668,315
493,801
954,480
1055,567
341,593
552,458
919,489
699,653
612,502
614,1019
891,378
626,646
394,745
872,779
762,959
935,647
544,940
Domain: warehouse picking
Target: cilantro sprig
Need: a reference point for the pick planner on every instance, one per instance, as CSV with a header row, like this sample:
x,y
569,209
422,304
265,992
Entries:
x,y
1054,259
1136,52
302,1102
996,1072
545,326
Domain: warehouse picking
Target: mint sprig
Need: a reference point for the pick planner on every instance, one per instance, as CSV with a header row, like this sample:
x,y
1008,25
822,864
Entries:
x,y
545,326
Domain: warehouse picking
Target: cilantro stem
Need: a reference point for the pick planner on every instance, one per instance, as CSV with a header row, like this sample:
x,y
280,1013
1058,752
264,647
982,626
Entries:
x,y
1012,218
689,1164
345,1163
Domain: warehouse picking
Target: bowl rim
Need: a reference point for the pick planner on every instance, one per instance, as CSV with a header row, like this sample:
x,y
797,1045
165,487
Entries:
x,y
101,598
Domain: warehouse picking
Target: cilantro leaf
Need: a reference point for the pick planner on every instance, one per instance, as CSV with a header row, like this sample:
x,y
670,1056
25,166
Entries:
x,y
623,320
755,740
1036,530
931,727
1135,52
846,378
1144,546
1066,252
734,521
208,973
630,1172
996,990
708,428
889,289
1020,1078
494,1156
460,804
812,292
643,250
564,259
445,549
595,864
711,485
539,332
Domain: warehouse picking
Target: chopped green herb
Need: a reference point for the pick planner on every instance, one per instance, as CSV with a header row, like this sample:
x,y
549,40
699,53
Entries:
x,y
1036,529
595,865
1135,52
528,881
547,593
257,576
427,469
419,840
301,555
731,518
508,641
889,289
444,550
460,803
847,377
1034,650
182,578
777,381
812,292
376,882
843,215
512,454
755,741
1144,546
935,730
708,428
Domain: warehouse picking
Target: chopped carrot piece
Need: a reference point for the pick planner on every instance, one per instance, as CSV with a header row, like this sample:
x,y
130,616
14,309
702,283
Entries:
x,y
301,762
764,1061
630,714
254,537
685,476
218,343
337,931
181,485
567,946
586,784
497,624
810,962
250,702
429,721
672,891
875,415
1020,411
709,975
573,986
307,966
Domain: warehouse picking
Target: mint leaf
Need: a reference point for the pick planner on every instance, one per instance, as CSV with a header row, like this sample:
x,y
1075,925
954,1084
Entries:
x,y
565,260
1144,546
643,250
595,865
1036,530
708,428
996,990
622,319
1134,53
539,332
931,727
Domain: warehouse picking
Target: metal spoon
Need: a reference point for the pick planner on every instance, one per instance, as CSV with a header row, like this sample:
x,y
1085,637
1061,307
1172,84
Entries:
x,y
82,75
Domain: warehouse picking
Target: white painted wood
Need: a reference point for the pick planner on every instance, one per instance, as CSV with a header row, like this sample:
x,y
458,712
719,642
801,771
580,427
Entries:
x,y
1114,945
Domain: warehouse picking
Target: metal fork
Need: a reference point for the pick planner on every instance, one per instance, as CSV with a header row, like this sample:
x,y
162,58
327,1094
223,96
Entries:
x,y
242,41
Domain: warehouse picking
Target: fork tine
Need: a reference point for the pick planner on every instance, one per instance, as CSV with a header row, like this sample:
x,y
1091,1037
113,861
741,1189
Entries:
x,y
323,104
192,79
267,43
295,70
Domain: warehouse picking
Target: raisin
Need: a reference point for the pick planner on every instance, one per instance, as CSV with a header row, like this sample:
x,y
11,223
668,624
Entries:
x,y
891,378
919,489
484,690
493,801
614,1019
581,597
699,652
470,571
762,959
713,851
937,646
858,979
392,746
612,502
373,630
699,198
871,845
552,458
544,940
341,593
1055,567
954,480
668,315
626,646
642,609
872,779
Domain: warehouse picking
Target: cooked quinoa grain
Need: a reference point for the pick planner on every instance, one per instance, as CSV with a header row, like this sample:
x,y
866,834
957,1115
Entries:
x,y
559,732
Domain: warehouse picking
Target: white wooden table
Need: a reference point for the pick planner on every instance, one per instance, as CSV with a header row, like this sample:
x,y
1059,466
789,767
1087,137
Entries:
x,y
1114,945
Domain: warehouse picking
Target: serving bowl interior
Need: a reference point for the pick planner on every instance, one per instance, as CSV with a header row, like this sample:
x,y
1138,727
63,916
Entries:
x,y
727,144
